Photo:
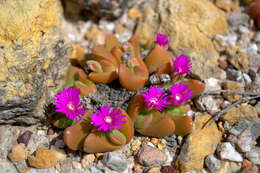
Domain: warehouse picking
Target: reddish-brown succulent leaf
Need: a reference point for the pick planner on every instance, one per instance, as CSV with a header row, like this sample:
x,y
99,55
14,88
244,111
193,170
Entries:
x,y
94,66
128,79
135,106
164,69
84,84
160,127
140,72
85,89
135,44
78,55
101,53
111,41
74,136
118,54
157,58
143,121
128,127
142,64
195,85
116,137
254,10
97,142
105,77
107,66
183,124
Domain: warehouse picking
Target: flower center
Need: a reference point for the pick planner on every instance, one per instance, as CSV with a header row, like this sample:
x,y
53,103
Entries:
x,y
71,106
154,100
108,119
178,97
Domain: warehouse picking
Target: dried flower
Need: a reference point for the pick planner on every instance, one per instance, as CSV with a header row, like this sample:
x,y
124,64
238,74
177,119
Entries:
x,y
154,97
182,65
162,40
180,93
68,102
107,118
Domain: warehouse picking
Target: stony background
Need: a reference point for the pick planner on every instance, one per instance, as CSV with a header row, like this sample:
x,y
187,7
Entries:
x,y
218,35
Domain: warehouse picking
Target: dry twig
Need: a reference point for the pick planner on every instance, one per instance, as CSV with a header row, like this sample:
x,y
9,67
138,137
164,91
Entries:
x,y
247,96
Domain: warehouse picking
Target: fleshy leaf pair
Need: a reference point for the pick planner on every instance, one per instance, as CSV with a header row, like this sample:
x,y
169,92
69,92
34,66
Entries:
x,y
107,63
85,134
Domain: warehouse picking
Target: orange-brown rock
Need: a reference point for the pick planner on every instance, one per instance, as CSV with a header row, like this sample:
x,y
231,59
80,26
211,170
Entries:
x,y
44,158
200,143
19,153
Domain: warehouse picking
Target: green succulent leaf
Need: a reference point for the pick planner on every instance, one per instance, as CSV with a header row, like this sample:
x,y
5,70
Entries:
x,y
143,120
177,110
168,85
63,123
116,137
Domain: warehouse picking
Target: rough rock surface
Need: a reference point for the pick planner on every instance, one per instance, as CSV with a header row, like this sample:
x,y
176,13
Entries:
x,y
200,143
190,25
97,8
33,58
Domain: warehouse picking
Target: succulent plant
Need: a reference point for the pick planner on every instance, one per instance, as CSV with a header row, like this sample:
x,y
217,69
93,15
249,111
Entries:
x,y
151,120
254,12
160,111
106,130
159,56
107,63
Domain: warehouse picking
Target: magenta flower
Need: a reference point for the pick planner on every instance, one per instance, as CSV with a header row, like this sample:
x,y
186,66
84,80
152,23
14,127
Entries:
x,y
154,97
181,65
107,118
68,102
162,40
180,93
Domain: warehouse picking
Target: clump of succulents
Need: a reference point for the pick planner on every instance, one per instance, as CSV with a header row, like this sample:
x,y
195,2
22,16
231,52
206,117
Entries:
x,y
112,60
158,111
161,111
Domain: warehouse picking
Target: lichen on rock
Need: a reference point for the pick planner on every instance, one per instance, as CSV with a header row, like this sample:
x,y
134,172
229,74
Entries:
x,y
33,58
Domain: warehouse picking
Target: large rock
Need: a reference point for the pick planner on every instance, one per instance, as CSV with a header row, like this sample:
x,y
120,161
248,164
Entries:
x,y
33,58
200,143
190,25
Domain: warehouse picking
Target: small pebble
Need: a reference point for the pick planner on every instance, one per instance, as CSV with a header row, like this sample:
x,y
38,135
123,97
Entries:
x,y
227,151
154,79
115,161
165,78
25,137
